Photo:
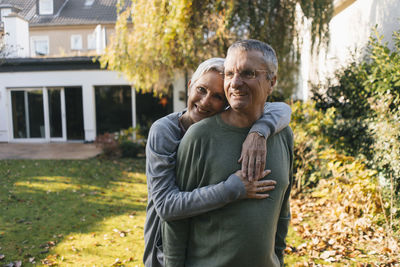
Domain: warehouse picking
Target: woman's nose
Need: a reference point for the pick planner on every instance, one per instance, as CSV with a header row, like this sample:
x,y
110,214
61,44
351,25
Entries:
x,y
205,101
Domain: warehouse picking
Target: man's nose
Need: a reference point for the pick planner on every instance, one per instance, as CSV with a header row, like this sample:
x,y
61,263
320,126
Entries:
x,y
236,80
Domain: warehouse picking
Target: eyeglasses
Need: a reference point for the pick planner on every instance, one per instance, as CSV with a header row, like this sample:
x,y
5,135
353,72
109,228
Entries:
x,y
244,75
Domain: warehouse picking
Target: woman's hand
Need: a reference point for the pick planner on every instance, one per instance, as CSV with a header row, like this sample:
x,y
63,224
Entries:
x,y
253,157
257,189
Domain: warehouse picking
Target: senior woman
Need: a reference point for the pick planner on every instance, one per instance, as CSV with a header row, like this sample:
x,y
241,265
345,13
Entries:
x,y
165,201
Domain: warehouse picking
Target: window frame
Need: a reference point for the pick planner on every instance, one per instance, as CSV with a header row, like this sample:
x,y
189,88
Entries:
x,y
4,12
46,7
39,38
80,43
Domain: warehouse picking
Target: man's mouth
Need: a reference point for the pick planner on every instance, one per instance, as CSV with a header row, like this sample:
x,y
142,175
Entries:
x,y
238,94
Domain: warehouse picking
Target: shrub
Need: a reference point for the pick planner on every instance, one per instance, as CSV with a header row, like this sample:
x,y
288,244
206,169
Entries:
x,y
349,97
130,149
366,99
384,81
308,124
109,144
121,144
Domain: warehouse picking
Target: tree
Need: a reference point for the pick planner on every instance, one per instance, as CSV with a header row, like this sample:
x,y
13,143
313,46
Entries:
x,y
2,46
154,38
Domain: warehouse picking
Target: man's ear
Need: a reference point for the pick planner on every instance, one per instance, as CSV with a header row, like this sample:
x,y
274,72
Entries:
x,y
273,81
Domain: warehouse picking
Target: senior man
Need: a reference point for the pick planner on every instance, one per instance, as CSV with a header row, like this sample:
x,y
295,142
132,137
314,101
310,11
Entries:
x,y
247,232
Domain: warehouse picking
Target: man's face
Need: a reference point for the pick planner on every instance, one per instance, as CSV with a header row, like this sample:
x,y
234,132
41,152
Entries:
x,y
244,93
206,96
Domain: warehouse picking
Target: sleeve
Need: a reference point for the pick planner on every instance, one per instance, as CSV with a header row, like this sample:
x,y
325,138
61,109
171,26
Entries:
x,y
276,117
170,203
284,216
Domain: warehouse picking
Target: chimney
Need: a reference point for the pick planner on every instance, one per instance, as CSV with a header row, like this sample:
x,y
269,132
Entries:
x,y
100,33
16,37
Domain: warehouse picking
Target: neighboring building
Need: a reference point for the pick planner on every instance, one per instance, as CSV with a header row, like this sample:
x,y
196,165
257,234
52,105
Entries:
x,y
51,89
350,29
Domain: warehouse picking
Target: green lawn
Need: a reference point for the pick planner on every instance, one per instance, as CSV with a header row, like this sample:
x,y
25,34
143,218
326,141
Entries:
x,y
92,212
77,212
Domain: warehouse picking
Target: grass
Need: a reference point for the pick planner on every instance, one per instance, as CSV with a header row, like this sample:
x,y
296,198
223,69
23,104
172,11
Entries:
x,y
89,213
79,213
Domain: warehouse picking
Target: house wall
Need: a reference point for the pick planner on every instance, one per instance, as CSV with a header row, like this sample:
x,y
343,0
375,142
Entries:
x,y
350,30
86,79
179,91
60,38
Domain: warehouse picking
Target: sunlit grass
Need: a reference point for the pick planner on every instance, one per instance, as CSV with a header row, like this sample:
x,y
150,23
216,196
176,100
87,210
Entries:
x,y
115,239
91,213
72,213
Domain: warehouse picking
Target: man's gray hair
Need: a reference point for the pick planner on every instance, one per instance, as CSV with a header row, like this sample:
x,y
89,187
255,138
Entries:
x,y
268,52
213,64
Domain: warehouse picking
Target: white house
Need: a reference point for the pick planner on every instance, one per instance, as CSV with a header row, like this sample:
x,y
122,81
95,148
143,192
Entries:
x,y
350,29
52,89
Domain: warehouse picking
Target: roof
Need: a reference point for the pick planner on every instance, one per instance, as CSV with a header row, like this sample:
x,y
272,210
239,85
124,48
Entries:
x,y
71,12
48,64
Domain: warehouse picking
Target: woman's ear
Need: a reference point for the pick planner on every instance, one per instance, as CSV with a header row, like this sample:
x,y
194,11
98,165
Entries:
x,y
188,86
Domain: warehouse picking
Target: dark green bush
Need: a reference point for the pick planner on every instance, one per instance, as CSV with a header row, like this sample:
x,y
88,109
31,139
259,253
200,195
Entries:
x,y
366,120
349,132
130,149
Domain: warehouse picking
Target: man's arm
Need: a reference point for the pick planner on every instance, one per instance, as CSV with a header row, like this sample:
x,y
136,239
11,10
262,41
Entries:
x,y
275,118
284,216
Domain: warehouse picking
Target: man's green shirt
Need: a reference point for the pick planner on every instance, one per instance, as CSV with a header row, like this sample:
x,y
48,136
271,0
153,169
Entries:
x,y
245,233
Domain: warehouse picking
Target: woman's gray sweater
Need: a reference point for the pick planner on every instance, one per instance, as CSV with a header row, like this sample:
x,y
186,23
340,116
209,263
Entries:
x,y
165,201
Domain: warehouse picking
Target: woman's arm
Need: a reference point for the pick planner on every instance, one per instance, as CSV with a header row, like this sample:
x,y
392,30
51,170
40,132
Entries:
x,y
254,150
172,204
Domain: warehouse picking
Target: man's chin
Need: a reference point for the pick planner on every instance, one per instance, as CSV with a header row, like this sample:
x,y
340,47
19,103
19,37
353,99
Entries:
x,y
238,105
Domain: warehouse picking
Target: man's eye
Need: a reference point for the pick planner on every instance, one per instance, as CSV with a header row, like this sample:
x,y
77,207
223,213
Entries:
x,y
201,89
248,74
219,97
229,74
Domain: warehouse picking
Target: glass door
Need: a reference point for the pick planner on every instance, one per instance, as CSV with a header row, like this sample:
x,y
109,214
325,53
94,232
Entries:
x,y
74,113
57,121
28,114
38,114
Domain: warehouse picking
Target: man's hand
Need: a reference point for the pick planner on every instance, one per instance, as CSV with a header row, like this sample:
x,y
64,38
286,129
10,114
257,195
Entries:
x,y
253,157
257,189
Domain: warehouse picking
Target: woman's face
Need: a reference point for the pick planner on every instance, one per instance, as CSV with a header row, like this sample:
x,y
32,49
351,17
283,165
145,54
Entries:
x,y
206,96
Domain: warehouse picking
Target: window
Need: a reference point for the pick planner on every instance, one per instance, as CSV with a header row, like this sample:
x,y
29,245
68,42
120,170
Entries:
x,y
4,12
91,41
39,45
76,42
45,7
89,3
